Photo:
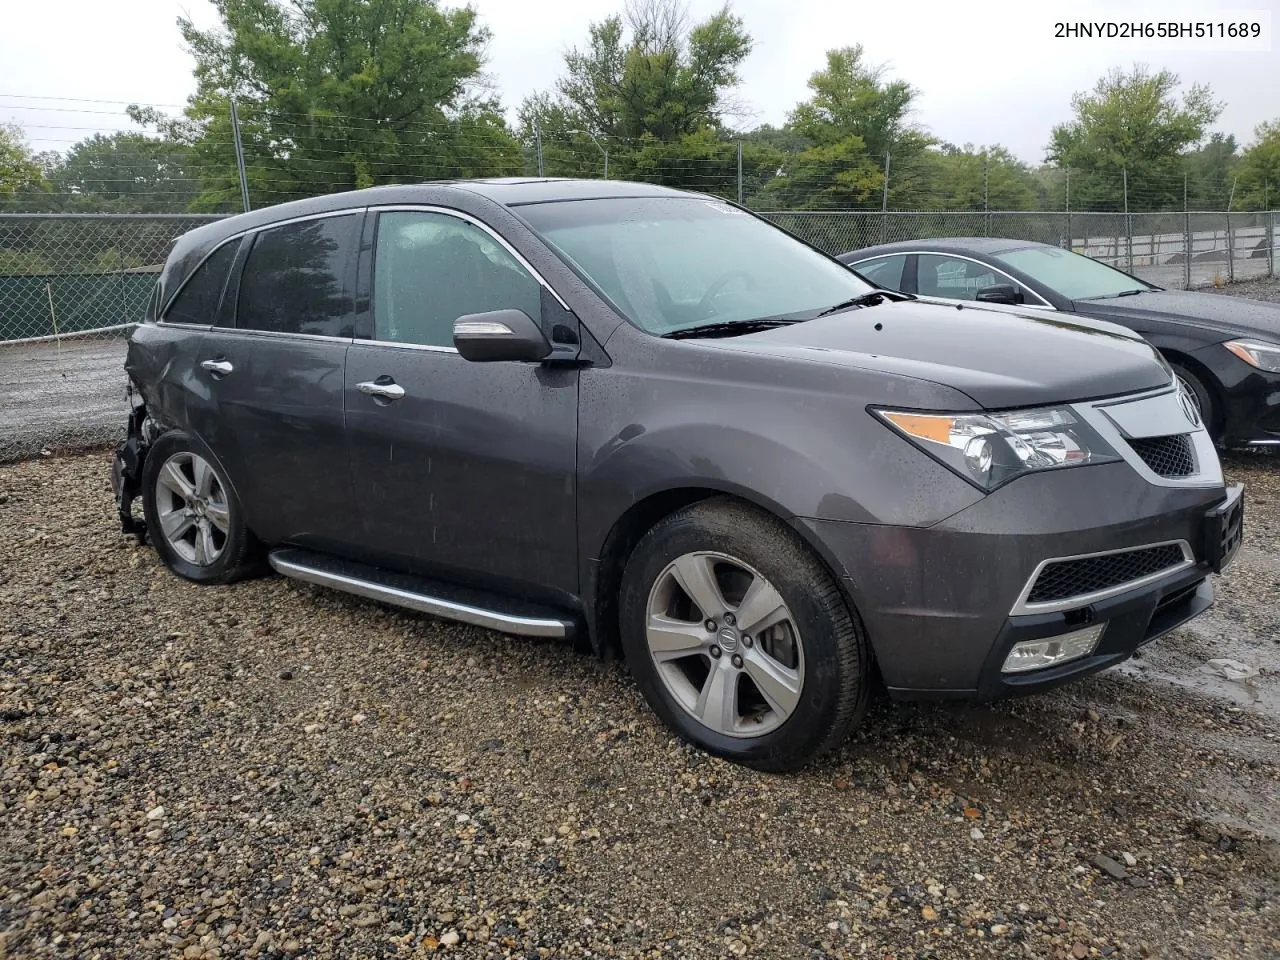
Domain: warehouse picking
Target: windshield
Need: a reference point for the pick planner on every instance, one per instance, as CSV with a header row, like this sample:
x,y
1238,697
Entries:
x,y
671,263
1069,274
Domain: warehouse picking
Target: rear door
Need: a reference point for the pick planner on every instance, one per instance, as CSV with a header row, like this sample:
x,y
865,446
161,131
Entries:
x,y
462,470
271,372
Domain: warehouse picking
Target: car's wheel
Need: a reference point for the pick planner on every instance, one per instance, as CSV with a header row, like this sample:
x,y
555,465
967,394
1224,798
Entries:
x,y
1201,397
740,639
193,517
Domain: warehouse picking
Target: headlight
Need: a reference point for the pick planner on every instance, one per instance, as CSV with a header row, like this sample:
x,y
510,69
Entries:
x,y
1264,356
989,449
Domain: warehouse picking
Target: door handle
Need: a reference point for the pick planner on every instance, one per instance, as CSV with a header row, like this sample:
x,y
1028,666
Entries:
x,y
219,368
381,391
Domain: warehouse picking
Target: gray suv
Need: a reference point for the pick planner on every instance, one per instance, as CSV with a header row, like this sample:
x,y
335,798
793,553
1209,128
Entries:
x,y
658,422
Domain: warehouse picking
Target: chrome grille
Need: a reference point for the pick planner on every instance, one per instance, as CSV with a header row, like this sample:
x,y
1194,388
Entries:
x,y
1170,456
1064,579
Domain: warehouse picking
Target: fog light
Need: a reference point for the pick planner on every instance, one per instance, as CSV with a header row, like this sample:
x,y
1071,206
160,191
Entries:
x,y
1038,654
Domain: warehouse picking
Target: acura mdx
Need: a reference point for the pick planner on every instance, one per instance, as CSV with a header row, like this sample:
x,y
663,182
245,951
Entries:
x,y
656,421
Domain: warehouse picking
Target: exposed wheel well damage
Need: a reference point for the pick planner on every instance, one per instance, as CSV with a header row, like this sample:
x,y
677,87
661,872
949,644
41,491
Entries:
x,y
127,463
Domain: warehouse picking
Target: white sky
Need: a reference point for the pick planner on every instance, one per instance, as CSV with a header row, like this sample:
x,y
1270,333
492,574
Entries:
x,y
989,71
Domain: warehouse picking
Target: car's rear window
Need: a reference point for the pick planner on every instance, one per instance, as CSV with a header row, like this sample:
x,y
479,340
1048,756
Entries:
x,y
199,296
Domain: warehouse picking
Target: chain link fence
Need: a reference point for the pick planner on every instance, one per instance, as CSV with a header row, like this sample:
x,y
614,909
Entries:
x,y
1173,250
72,286
71,289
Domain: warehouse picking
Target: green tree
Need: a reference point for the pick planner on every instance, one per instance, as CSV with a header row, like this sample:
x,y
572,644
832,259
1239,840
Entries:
x,y
853,120
1210,170
650,88
1131,123
852,98
20,170
125,173
340,94
836,176
971,178
1259,170
649,73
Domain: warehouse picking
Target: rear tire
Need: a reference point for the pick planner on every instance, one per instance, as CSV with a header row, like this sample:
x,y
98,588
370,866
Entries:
x,y
773,700
193,516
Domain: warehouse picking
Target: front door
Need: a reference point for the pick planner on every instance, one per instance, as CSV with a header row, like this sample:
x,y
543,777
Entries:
x,y
462,470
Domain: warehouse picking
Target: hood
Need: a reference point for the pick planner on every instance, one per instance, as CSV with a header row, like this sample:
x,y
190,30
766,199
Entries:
x,y
999,359
1229,316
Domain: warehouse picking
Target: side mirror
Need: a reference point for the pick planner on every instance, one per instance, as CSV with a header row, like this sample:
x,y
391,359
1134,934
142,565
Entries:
x,y
500,335
999,293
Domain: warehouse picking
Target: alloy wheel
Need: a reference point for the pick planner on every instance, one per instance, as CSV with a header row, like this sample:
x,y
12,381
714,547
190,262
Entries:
x,y
725,644
191,505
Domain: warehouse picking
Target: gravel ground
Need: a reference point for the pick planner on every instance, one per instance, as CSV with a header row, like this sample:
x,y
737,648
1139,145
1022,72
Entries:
x,y
61,396
274,770
1254,289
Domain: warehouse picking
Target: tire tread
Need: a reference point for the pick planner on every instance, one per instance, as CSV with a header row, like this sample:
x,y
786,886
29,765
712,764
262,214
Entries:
x,y
726,515
244,560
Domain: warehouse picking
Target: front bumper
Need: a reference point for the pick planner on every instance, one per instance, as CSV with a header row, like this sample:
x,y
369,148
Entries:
x,y
1250,399
1132,620
937,601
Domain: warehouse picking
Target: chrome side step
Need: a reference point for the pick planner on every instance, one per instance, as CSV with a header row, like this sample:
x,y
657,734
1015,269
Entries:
x,y
416,593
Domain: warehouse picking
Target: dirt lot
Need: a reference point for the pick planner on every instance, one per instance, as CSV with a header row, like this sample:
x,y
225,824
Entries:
x,y
273,770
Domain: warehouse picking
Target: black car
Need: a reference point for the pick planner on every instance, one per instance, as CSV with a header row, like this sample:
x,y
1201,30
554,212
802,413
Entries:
x,y
652,419
1226,350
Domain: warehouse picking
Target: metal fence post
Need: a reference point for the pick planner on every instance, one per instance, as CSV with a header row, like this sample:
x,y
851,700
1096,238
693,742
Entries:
x,y
1071,240
1186,237
1271,243
1231,247
884,204
739,171
986,194
239,144
537,141
1128,220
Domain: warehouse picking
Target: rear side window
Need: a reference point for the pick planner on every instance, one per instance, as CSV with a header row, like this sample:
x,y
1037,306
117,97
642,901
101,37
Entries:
x,y
295,280
197,301
884,272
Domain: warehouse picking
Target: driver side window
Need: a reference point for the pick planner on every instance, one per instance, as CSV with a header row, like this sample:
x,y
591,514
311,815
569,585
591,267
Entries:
x,y
956,278
431,268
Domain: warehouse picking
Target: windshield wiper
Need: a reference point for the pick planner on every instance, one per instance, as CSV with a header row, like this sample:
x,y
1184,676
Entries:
x,y
867,300
729,328
1122,293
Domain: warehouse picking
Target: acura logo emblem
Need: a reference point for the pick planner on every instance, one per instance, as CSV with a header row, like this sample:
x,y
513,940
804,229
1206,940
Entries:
x,y
1189,406
729,639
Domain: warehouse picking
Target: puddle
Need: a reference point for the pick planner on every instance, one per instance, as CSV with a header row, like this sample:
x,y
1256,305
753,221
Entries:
x,y
1181,660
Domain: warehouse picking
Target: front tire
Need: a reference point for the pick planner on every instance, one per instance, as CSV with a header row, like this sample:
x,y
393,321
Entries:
x,y
739,638
193,516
